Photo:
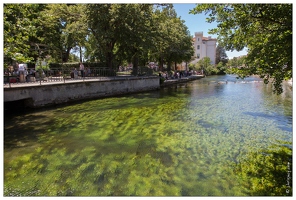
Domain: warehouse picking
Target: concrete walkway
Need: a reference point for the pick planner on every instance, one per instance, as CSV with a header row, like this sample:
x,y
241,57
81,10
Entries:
x,y
60,80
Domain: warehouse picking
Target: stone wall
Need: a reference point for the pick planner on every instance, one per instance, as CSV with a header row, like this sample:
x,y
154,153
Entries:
x,y
43,95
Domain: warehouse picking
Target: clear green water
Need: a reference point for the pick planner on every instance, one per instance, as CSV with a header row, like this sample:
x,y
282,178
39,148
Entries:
x,y
203,138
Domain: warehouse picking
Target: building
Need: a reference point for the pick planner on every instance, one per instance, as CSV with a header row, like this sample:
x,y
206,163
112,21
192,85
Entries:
x,y
204,47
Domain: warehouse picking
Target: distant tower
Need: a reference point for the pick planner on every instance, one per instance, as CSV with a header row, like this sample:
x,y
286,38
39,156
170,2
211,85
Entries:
x,y
204,47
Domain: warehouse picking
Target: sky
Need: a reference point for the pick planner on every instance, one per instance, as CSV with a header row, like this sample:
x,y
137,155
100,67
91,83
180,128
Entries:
x,y
197,23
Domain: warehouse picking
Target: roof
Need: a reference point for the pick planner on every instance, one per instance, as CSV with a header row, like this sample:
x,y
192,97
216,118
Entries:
x,y
205,39
208,38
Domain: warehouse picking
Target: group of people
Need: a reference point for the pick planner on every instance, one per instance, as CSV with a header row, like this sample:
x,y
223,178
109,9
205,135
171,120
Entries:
x,y
83,71
21,73
175,74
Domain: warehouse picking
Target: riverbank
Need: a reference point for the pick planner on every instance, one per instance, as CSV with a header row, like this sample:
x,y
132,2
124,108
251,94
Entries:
x,y
58,93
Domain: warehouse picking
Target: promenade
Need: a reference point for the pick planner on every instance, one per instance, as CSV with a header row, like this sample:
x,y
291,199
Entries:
x,y
61,80
59,90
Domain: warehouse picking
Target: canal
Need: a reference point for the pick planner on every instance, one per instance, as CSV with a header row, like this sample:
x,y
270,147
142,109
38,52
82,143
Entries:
x,y
217,136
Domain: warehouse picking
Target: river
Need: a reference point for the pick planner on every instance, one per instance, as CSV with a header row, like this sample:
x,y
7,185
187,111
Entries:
x,y
217,136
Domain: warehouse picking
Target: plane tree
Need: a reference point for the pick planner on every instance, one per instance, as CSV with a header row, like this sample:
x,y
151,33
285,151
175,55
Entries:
x,y
135,38
64,29
21,25
172,40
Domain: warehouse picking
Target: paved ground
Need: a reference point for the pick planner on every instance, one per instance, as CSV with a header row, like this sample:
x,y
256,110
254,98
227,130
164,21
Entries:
x,y
60,80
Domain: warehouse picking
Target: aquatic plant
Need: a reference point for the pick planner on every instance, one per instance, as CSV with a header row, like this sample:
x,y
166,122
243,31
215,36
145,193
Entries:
x,y
174,142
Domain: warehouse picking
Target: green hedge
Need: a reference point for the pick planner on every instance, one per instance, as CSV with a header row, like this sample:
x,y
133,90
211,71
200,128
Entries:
x,y
76,65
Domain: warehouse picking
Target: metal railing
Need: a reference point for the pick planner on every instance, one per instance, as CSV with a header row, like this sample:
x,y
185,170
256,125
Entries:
x,y
43,77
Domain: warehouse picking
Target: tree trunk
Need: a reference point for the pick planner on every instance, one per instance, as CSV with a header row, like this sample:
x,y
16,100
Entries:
x,y
109,58
66,55
135,64
109,53
169,66
80,53
161,63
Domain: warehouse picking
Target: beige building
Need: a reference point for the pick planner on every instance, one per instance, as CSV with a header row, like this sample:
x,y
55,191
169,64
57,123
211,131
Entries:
x,y
204,47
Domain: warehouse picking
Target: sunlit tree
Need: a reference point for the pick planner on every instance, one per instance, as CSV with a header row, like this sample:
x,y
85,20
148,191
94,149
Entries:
x,y
264,29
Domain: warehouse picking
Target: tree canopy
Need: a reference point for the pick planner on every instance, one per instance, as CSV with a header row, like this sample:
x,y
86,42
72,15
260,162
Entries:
x,y
264,29
108,33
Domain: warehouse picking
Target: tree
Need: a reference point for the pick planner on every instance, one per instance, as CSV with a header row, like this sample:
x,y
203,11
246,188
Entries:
x,y
105,22
264,29
133,44
221,55
180,49
20,26
205,64
173,41
66,28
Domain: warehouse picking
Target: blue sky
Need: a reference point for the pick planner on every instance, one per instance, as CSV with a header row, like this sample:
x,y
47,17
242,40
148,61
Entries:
x,y
197,23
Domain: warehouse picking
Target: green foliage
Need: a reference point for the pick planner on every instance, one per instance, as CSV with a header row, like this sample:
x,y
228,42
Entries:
x,y
66,28
19,27
76,65
269,172
110,33
172,41
143,71
221,68
264,29
221,55
195,67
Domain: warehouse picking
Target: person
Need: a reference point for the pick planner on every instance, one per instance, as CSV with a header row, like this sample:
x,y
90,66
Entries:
x,y
32,72
88,72
75,73
81,67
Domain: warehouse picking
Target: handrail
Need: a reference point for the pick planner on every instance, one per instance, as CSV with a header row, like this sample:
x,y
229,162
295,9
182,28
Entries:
x,y
67,75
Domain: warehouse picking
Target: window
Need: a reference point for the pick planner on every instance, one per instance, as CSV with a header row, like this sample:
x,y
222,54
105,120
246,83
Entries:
x,y
198,56
197,39
198,47
203,42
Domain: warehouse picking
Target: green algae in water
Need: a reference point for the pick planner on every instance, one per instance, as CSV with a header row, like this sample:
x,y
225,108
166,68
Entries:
x,y
199,140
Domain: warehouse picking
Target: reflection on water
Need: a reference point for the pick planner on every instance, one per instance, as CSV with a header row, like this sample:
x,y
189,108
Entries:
x,y
217,136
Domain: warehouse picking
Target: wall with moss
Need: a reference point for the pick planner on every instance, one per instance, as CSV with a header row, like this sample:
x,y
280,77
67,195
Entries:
x,y
44,95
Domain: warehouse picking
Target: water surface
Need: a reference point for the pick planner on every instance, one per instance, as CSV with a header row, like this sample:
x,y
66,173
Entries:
x,y
217,136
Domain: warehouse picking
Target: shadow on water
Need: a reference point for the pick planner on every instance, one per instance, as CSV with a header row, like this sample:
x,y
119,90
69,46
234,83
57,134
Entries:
x,y
18,131
282,122
260,114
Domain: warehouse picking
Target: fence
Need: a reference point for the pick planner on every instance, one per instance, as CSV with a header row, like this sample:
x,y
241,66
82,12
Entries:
x,y
68,75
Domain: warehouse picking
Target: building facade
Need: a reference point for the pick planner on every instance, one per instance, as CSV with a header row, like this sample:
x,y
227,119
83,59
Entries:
x,y
204,47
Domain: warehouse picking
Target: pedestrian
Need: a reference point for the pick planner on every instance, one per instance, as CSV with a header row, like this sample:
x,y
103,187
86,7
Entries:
x,y
75,73
88,71
81,67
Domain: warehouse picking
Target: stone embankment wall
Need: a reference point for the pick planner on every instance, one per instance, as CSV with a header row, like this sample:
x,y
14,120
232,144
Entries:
x,y
45,95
